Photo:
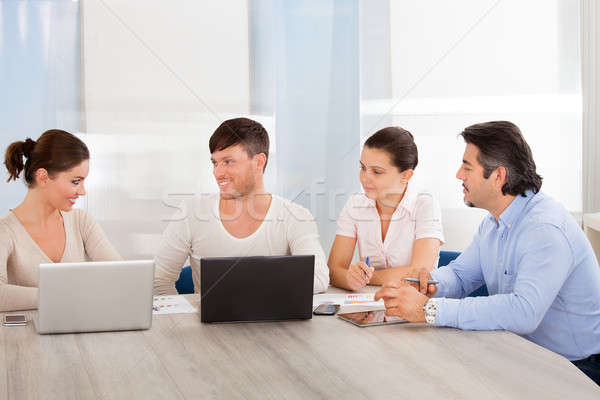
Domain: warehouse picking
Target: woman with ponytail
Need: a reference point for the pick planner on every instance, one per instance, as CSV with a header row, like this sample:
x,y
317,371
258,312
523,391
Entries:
x,y
45,227
395,225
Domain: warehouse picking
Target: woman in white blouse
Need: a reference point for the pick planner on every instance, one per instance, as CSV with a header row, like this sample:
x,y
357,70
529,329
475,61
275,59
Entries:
x,y
395,225
45,228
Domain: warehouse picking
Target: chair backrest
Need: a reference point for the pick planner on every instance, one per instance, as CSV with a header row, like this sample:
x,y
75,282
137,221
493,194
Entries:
x,y
185,284
446,257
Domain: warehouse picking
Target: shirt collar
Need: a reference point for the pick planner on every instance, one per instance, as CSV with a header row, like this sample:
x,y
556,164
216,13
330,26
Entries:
x,y
511,214
409,200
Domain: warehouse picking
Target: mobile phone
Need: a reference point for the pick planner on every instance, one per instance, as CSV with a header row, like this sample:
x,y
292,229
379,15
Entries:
x,y
326,309
15,320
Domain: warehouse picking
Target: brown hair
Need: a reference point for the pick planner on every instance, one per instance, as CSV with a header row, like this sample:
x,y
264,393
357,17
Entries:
x,y
251,134
55,151
399,144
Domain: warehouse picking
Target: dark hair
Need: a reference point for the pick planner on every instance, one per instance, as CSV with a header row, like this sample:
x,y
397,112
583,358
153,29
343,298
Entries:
x,y
501,143
251,134
55,151
399,144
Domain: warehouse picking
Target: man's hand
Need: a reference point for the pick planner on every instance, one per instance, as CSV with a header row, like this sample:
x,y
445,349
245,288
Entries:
x,y
423,276
403,300
359,275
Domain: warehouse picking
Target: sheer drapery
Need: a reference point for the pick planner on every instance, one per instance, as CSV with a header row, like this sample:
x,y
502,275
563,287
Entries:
x,y
39,76
459,63
590,42
320,75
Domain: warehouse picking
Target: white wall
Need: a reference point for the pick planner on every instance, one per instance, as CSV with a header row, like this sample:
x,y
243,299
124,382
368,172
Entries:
x,y
159,78
148,62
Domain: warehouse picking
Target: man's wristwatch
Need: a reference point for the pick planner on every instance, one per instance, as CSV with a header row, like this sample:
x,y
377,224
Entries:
x,y
430,308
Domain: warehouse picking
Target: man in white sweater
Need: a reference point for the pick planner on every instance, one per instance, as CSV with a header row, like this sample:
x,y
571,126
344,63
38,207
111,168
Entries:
x,y
243,219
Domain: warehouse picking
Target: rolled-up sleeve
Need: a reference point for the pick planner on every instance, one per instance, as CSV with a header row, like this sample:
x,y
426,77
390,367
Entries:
x,y
428,218
346,226
544,262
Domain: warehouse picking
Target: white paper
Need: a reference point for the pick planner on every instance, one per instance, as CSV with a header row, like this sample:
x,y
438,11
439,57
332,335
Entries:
x,y
172,305
344,299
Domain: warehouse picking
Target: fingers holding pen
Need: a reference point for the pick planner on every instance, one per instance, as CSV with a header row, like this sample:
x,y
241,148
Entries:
x,y
421,279
367,271
359,274
424,277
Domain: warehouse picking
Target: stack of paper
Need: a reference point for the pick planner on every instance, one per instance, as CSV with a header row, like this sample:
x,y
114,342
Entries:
x,y
344,299
171,305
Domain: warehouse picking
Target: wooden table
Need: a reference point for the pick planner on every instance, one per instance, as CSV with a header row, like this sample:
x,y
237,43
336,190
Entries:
x,y
181,358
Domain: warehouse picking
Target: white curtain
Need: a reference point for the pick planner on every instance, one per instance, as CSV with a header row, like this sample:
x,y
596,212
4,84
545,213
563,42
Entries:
x,y
590,42
321,76
39,76
159,78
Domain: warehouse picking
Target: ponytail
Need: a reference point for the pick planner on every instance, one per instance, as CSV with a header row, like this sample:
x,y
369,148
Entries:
x,y
13,159
56,151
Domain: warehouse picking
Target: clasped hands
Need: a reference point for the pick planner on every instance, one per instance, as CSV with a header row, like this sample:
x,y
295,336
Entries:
x,y
406,299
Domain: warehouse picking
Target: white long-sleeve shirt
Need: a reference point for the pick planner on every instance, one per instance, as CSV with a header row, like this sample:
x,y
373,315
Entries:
x,y
196,231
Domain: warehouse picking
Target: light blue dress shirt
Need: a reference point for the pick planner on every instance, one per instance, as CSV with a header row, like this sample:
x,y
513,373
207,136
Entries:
x,y
541,273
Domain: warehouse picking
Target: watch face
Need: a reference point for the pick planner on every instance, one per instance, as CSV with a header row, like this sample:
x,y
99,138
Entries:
x,y
430,309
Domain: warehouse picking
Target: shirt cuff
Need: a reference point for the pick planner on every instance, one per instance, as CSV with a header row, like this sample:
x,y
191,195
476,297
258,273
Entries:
x,y
431,235
347,233
447,312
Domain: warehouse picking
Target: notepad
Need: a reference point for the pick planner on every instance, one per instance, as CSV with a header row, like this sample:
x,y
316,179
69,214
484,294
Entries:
x,y
344,299
172,305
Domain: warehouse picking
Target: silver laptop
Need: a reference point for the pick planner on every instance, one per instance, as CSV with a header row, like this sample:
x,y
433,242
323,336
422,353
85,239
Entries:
x,y
95,296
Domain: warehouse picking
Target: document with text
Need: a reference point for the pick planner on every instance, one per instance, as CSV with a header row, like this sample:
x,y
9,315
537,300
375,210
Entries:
x,y
345,299
172,305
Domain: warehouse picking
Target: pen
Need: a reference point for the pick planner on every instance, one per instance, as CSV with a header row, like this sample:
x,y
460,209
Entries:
x,y
366,262
430,282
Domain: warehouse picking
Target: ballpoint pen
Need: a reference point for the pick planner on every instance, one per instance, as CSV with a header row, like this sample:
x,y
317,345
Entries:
x,y
430,282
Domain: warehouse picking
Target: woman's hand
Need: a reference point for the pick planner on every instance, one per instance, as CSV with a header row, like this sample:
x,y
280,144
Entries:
x,y
359,275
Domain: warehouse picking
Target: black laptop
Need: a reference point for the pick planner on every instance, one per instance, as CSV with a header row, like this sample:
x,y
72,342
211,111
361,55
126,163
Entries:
x,y
243,289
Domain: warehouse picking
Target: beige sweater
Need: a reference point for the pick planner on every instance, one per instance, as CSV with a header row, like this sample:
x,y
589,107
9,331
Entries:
x,y
20,256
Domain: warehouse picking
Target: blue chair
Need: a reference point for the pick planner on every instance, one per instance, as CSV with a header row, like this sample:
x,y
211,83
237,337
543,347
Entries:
x,y
446,257
185,283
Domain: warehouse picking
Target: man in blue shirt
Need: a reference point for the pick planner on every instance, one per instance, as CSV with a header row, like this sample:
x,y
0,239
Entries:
x,y
540,270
